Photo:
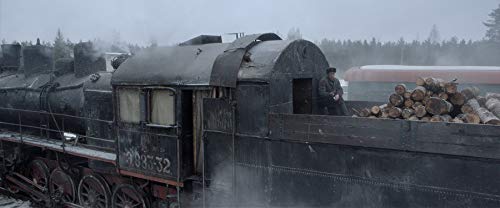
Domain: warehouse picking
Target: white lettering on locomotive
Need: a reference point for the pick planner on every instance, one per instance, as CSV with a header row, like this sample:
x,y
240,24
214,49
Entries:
x,y
149,162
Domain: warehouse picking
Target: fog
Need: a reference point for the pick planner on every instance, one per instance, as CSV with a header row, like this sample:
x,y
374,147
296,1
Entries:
x,y
172,21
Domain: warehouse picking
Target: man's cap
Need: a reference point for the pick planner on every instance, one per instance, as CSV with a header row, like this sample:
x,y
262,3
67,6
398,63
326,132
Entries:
x,y
331,69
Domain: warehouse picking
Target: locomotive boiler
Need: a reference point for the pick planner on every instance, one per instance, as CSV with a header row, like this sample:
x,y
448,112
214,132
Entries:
x,y
40,85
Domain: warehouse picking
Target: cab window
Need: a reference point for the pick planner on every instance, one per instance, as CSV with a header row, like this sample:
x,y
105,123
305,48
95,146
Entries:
x,y
162,107
129,105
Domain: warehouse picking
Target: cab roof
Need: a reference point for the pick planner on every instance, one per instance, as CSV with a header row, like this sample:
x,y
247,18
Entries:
x,y
212,64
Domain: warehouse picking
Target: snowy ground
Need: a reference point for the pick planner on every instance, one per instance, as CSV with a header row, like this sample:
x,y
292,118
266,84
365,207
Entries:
x,y
8,202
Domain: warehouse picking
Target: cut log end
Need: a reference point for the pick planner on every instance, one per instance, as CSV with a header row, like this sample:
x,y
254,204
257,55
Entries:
x,y
407,113
396,100
407,95
472,118
409,103
435,85
420,81
443,95
416,104
400,89
438,106
466,109
394,112
375,110
450,88
365,112
418,94
420,111
457,99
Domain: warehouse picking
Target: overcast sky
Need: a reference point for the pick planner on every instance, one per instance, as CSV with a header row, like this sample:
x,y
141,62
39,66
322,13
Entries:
x,y
172,21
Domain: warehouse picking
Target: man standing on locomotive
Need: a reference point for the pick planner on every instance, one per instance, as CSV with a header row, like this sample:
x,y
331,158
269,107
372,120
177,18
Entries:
x,y
330,92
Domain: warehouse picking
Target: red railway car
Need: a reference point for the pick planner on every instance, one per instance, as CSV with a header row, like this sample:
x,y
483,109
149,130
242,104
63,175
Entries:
x,y
375,82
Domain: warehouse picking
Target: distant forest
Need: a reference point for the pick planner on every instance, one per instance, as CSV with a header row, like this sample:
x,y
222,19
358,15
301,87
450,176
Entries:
x,y
345,54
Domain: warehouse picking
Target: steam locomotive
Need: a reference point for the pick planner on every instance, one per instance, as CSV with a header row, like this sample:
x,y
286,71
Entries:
x,y
212,124
73,133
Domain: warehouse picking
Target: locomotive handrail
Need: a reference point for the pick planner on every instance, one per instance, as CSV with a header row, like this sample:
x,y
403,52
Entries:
x,y
76,117
57,131
161,126
80,135
56,114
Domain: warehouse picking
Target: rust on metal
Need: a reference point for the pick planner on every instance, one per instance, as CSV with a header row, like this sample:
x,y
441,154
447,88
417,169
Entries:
x,y
151,178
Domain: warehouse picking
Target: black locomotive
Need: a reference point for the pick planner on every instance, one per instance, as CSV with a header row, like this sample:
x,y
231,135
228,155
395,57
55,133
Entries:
x,y
139,131
212,124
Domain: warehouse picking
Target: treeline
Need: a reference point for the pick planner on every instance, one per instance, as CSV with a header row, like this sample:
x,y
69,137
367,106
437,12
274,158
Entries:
x,y
348,53
63,48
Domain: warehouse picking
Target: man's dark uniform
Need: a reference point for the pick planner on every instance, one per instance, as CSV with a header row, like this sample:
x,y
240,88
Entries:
x,y
327,86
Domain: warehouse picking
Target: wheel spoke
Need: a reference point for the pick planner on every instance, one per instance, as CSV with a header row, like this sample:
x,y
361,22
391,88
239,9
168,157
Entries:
x,y
137,204
86,188
67,197
38,172
120,197
126,195
92,187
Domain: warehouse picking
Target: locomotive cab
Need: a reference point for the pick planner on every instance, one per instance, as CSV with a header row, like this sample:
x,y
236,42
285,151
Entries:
x,y
167,99
158,97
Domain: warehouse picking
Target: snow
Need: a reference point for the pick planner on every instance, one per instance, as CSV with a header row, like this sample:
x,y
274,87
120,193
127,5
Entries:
x,y
405,67
8,202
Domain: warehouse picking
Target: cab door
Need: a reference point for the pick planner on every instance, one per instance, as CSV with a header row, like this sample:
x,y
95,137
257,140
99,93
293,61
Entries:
x,y
218,144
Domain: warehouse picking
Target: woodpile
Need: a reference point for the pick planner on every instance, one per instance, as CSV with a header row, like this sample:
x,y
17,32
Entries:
x,y
436,100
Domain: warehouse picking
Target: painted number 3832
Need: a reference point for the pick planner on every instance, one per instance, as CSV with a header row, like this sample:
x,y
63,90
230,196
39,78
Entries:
x,y
147,162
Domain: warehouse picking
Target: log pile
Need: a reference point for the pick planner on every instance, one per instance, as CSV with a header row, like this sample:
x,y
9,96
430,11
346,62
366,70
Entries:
x,y
435,100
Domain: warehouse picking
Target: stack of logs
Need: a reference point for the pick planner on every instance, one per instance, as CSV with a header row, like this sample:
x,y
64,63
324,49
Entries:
x,y
435,100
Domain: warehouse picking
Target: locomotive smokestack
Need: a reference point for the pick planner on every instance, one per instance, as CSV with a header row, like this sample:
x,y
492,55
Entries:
x,y
11,56
88,60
